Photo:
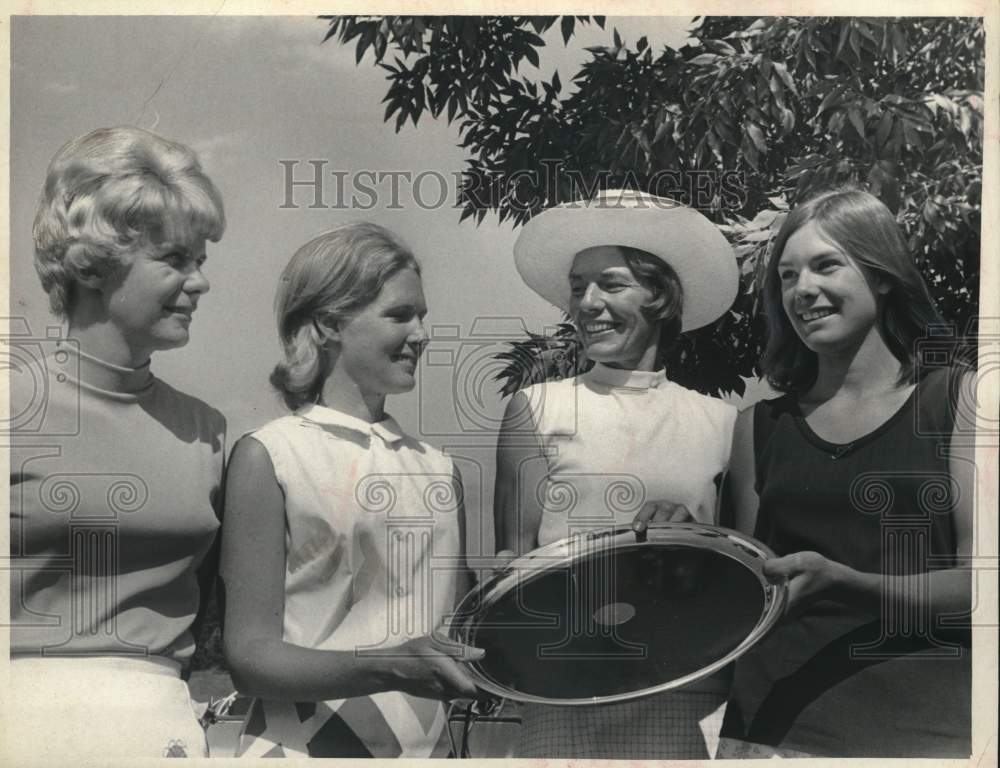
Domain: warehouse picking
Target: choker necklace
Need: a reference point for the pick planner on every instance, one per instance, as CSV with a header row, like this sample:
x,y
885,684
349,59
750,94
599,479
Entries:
x,y
75,349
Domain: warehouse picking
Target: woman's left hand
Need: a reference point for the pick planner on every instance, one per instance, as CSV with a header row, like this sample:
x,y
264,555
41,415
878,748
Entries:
x,y
810,577
660,512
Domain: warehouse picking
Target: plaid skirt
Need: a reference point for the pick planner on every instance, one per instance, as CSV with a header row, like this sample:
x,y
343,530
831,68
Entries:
x,y
736,749
678,725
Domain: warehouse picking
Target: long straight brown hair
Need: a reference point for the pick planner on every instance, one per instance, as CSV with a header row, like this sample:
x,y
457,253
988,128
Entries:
x,y
861,226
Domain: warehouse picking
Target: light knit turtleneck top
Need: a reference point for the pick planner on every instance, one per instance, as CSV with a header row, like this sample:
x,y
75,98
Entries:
x,y
116,480
615,439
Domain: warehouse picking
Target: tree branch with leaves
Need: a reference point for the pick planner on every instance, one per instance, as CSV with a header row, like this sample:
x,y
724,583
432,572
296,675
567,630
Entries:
x,y
786,105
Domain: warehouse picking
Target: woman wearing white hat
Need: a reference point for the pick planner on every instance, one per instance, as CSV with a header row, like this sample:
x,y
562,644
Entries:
x,y
633,271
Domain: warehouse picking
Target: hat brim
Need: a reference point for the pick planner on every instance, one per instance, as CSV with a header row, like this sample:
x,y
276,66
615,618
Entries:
x,y
691,244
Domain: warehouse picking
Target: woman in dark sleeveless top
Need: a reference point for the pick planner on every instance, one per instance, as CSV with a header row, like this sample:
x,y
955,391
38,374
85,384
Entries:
x,y
860,478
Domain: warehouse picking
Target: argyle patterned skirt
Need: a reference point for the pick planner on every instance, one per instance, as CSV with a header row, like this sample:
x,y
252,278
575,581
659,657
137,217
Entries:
x,y
390,724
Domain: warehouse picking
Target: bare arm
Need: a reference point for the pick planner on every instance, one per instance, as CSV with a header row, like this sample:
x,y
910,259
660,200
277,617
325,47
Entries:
x,y
253,573
465,579
520,480
740,495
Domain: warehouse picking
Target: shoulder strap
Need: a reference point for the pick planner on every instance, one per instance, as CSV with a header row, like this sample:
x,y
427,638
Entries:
x,y
766,414
937,397
765,420
937,401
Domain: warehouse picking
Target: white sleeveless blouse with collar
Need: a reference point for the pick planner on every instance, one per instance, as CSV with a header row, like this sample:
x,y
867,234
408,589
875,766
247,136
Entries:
x,y
372,556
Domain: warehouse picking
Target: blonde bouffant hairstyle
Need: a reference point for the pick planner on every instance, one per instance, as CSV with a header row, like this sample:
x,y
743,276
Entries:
x,y
109,191
329,279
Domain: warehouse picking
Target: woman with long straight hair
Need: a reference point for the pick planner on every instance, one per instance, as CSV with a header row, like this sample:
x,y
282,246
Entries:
x,y
861,478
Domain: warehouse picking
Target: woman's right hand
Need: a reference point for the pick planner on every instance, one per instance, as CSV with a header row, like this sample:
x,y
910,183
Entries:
x,y
431,667
810,577
502,559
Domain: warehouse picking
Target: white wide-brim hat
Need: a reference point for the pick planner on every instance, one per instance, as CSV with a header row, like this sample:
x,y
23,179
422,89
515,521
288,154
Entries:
x,y
683,238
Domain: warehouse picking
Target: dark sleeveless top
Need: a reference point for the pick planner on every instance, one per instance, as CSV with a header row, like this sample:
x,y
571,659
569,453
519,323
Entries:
x,y
833,680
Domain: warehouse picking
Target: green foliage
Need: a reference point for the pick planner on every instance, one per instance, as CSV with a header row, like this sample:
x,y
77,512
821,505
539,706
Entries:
x,y
462,63
208,649
755,117
542,358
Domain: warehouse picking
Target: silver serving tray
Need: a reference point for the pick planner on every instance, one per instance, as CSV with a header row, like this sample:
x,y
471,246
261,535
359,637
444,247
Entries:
x,y
611,615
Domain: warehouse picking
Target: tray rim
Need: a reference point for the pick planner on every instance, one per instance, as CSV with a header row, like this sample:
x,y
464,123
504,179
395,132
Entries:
x,y
564,551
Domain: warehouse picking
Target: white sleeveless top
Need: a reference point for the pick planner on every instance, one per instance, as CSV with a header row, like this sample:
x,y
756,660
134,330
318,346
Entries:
x,y
615,439
372,553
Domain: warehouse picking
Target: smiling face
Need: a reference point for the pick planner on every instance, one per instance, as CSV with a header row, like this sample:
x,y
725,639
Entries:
x,y
151,298
606,303
830,302
380,345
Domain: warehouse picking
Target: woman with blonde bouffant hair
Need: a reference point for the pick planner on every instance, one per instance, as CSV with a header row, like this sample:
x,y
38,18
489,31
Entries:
x,y
115,502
